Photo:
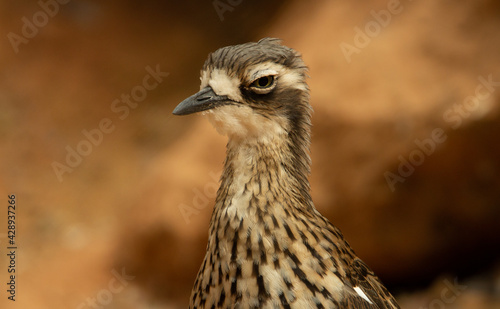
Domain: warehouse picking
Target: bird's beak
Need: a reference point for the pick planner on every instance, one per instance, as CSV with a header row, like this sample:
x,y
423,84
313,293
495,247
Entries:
x,y
204,100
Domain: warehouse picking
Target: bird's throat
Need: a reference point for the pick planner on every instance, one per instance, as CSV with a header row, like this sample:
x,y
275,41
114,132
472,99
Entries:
x,y
259,177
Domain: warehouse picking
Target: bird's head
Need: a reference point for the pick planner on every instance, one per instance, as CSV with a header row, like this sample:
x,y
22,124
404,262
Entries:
x,y
254,90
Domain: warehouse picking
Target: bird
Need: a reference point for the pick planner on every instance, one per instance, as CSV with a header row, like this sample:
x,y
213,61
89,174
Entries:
x,y
268,246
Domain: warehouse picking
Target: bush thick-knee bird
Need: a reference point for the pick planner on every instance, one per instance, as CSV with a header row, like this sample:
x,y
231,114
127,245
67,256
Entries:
x,y
268,246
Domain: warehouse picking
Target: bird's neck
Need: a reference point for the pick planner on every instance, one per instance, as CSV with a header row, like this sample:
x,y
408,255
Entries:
x,y
263,176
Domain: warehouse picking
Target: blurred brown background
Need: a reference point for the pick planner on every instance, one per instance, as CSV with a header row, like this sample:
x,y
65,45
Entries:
x,y
383,75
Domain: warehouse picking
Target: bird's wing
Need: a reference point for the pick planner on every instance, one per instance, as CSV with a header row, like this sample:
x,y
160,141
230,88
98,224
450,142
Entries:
x,y
364,289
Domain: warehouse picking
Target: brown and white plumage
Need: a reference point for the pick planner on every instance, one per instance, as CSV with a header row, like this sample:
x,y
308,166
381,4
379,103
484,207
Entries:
x,y
268,246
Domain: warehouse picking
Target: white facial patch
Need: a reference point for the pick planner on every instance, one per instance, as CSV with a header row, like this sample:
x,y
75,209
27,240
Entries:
x,y
222,84
242,122
292,79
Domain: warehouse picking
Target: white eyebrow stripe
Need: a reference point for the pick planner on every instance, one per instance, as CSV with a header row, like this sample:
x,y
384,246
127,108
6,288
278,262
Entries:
x,y
223,84
362,294
262,73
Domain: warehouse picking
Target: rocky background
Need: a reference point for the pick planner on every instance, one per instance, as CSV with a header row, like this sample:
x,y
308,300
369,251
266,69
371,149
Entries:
x,y
114,198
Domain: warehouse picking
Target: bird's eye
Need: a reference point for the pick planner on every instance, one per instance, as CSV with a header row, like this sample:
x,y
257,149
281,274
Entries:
x,y
263,84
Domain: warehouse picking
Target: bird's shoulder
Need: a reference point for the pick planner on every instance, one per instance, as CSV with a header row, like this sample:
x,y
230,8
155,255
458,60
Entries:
x,y
361,288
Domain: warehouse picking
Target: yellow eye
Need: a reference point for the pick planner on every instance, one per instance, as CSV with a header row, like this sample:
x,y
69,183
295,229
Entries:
x,y
263,82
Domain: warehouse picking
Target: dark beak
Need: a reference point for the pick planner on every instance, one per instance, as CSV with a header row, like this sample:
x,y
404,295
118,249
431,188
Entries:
x,y
204,100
